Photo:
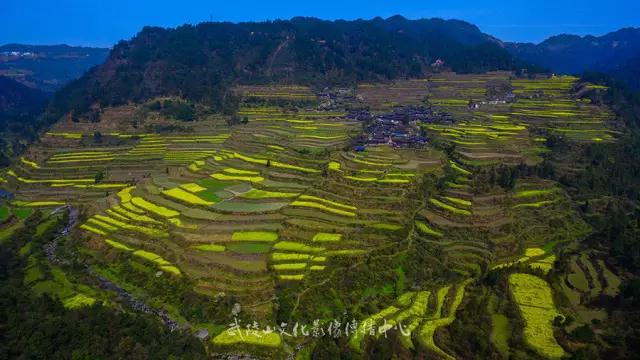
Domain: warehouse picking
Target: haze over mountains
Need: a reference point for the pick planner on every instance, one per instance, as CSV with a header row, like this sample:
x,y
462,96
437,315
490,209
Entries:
x,y
48,67
29,74
616,53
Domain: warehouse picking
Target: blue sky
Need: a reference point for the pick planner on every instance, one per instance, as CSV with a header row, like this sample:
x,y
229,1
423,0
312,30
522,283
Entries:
x,y
103,23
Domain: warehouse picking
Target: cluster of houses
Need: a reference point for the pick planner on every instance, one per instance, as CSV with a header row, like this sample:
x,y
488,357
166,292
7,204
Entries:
x,y
14,55
497,93
398,128
476,104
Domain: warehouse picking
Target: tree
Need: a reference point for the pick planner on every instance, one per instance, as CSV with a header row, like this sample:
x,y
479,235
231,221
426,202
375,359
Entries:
x,y
583,333
507,177
429,185
99,176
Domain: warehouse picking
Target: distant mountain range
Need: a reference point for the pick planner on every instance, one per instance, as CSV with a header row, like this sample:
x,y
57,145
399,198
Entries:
x,y
616,53
29,74
48,68
303,49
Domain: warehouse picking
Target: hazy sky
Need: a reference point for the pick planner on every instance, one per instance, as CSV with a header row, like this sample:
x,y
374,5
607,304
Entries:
x,y
103,23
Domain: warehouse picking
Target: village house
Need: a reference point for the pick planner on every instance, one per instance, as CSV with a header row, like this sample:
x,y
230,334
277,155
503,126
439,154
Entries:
x,y
400,127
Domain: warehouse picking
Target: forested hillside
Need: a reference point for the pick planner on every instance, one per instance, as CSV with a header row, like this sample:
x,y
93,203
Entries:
x,y
20,108
201,62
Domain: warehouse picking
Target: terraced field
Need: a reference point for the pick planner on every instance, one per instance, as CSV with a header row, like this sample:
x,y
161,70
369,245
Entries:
x,y
535,302
416,319
555,112
401,92
277,92
275,212
588,278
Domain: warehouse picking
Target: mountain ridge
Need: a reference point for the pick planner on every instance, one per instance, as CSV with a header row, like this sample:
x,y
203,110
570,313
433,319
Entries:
x,y
573,54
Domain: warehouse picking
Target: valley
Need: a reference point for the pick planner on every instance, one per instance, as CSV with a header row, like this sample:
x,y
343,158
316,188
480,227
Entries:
x,y
295,210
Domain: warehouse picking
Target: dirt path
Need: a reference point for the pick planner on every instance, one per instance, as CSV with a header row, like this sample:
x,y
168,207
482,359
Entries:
x,y
275,55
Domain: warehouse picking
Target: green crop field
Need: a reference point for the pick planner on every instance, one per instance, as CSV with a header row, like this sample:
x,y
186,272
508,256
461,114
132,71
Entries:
x,y
4,213
254,236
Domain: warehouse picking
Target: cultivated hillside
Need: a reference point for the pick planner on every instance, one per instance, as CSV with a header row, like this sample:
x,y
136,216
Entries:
x,y
481,226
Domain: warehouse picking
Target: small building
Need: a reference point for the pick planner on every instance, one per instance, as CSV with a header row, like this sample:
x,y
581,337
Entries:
x,y
202,334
